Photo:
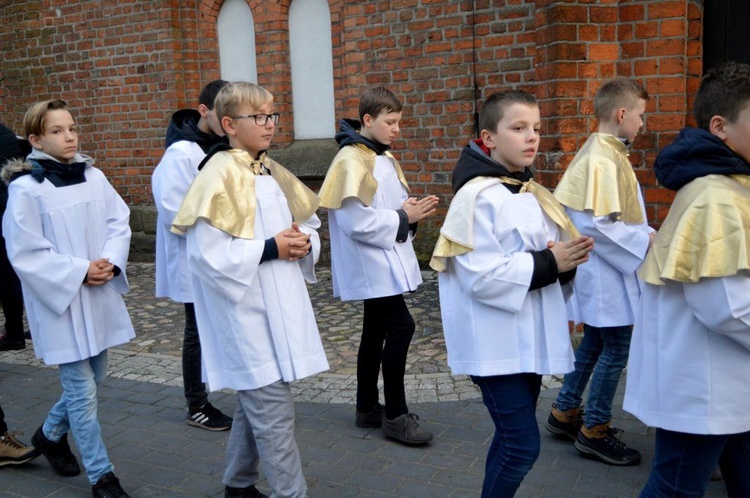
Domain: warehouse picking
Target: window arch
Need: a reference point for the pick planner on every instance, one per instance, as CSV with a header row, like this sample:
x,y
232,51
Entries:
x,y
311,55
236,30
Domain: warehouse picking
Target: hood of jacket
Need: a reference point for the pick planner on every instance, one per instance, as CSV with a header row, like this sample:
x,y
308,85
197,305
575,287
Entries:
x,y
475,161
693,154
348,134
184,126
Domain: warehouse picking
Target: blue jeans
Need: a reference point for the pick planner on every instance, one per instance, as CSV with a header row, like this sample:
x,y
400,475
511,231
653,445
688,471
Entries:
x,y
511,401
192,380
77,411
683,464
603,352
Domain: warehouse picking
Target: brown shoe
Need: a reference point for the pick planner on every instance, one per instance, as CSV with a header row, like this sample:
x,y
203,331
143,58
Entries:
x,y
14,452
566,423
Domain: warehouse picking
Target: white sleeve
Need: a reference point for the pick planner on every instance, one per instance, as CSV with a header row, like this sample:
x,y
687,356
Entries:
x,y
117,244
307,264
490,274
722,305
170,182
225,263
621,245
53,278
365,224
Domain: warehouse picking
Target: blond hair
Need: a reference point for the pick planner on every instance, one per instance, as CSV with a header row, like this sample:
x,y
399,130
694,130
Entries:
x,y
233,96
35,117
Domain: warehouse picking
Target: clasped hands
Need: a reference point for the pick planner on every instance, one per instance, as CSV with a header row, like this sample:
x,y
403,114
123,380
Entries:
x,y
293,244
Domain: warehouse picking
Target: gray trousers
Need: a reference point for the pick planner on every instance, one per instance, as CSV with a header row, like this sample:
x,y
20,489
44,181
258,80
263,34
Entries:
x,y
263,434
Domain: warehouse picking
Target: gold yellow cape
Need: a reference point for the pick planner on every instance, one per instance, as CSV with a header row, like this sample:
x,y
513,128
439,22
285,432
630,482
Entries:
x,y
705,234
457,234
601,179
351,175
223,193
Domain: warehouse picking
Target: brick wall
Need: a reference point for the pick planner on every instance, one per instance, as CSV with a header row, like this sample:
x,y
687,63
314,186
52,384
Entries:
x,y
125,66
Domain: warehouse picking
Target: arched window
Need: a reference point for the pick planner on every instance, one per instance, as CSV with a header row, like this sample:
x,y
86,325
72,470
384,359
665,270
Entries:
x,y
311,55
236,30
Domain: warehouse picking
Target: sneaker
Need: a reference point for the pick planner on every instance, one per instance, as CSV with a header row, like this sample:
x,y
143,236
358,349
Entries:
x,y
58,454
108,487
10,345
603,442
566,424
209,418
373,419
406,429
248,492
14,452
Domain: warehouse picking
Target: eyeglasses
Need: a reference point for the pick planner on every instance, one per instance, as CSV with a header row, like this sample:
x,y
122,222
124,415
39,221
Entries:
x,y
261,119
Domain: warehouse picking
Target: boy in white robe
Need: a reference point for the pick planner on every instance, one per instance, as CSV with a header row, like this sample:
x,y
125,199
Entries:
x,y
190,135
251,244
689,371
506,255
68,238
372,221
602,196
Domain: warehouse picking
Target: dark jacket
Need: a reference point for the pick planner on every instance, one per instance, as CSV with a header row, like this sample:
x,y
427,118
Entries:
x,y
475,161
693,154
184,126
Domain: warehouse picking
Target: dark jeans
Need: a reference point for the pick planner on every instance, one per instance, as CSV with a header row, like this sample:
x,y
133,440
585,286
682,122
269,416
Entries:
x,y
511,401
386,334
11,297
3,425
195,389
683,464
603,352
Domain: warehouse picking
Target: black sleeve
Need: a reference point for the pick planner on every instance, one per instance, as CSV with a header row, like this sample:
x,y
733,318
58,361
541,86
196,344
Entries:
x,y
567,276
545,269
116,271
270,250
403,226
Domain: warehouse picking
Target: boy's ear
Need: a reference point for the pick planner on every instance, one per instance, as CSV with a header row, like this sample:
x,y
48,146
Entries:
x,y
717,126
34,141
620,115
367,120
203,110
488,139
227,125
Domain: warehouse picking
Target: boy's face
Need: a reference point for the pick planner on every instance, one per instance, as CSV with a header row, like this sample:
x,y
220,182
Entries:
x,y
515,140
245,134
211,120
383,128
630,120
60,137
736,135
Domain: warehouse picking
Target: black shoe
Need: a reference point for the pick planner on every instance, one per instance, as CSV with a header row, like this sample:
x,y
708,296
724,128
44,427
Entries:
x,y
606,446
58,454
371,420
108,487
209,418
11,345
565,423
406,429
248,492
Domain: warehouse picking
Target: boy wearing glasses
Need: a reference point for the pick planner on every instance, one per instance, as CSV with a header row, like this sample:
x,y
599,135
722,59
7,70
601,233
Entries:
x,y
250,227
372,221
190,135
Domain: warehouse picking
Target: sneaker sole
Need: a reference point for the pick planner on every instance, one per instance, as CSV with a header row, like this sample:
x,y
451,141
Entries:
x,y
589,452
559,432
34,454
401,439
213,429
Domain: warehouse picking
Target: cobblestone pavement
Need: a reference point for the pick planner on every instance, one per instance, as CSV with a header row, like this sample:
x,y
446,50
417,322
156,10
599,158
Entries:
x,y
155,354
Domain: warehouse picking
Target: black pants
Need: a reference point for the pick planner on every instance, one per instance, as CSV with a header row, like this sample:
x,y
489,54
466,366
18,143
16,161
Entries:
x,y
195,389
3,426
387,330
11,297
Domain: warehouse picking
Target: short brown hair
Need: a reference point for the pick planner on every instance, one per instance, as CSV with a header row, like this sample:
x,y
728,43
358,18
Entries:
x,y
494,107
35,117
615,94
724,91
234,95
377,100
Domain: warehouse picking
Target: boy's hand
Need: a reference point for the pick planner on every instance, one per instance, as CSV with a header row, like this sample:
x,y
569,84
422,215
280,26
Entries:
x,y
100,272
571,253
419,209
293,244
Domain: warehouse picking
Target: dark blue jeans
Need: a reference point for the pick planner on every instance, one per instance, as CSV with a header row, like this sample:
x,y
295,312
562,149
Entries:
x,y
603,352
683,464
511,401
192,375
